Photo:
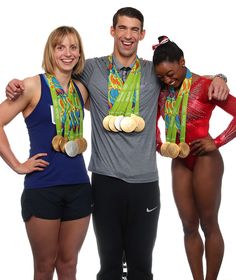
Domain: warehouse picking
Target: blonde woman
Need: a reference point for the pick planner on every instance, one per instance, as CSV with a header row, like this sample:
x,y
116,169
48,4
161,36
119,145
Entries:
x,y
57,199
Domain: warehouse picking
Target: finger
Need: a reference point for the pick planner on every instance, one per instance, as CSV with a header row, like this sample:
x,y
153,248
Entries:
x,y
14,84
210,92
194,142
10,96
225,93
42,163
39,155
220,93
38,169
20,86
195,147
197,152
11,88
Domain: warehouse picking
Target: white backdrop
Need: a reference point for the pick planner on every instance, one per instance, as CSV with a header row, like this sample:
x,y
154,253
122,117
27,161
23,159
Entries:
x,y
206,32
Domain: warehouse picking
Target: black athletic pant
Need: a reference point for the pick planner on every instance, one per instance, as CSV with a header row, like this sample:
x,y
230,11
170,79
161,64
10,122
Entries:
x,y
125,223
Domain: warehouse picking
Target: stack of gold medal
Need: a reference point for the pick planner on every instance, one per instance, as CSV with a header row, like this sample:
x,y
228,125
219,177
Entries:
x,y
71,147
122,116
172,108
75,144
174,150
124,123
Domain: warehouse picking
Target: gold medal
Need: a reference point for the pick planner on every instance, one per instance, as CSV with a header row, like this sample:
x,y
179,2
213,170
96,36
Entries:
x,y
128,124
140,123
173,150
62,144
71,148
56,142
163,149
105,122
118,119
111,124
184,150
82,144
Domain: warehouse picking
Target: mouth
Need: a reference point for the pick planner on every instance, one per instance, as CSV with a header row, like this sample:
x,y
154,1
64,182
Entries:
x,y
172,83
127,44
175,84
67,61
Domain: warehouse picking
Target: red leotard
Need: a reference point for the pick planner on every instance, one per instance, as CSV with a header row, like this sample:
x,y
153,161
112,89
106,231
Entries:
x,y
198,116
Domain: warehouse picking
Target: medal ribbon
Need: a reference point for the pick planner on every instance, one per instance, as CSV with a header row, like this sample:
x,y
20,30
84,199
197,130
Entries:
x,y
68,111
123,98
172,107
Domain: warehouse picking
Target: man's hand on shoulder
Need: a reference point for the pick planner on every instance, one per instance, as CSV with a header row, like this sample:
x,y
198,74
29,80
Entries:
x,y
218,89
14,89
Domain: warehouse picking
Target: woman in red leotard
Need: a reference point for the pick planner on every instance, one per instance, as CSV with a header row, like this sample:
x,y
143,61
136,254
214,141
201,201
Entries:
x,y
196,176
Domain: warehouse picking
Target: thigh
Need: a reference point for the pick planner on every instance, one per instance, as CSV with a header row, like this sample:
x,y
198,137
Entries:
x,y
71,237
182,187
43,238
207,182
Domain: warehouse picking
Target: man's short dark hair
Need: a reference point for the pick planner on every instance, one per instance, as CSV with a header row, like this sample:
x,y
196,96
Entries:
x,y
129,12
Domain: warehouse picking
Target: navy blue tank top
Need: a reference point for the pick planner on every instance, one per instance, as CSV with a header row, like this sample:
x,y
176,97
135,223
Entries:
x,y
62,169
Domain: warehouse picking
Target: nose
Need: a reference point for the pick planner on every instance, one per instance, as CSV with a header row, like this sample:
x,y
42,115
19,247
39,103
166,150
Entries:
x,y
167,80
128,34
67,51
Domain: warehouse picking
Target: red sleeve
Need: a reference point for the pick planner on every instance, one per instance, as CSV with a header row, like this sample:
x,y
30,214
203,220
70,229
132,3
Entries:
x,y
229,106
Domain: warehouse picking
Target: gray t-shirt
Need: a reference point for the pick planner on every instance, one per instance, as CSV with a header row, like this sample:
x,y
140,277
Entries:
x,y
127,156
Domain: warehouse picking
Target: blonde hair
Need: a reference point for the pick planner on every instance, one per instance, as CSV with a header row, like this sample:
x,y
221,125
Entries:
x,y
56,38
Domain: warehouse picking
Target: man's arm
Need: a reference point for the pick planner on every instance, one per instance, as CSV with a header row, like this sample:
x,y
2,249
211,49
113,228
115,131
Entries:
x,y
218,88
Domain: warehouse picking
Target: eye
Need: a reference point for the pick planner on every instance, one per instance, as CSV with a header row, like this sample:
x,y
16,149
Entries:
x,y
59,47
135,29
74,47
122,27
161,78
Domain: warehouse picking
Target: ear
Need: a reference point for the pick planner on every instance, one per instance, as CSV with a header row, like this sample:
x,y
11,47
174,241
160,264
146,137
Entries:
x,y
142,35
112,31
182,61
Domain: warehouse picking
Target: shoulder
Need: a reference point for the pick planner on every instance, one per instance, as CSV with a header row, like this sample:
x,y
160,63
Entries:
x,y
201,81
96,60
93,66
146,63
32,93
31,84
199,88
147,66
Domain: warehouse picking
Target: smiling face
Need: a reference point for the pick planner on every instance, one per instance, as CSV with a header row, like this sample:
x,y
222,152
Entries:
x,y
171,73
66,53
127,33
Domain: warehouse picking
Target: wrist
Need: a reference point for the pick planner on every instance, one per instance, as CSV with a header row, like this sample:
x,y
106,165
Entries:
x,y
222,76
217,142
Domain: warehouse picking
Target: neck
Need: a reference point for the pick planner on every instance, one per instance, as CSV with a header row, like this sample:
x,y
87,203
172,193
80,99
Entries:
x,y
125,61
63,79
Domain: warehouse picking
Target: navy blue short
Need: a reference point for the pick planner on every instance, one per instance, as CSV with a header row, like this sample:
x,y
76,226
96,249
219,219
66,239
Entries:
x,y
66,202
